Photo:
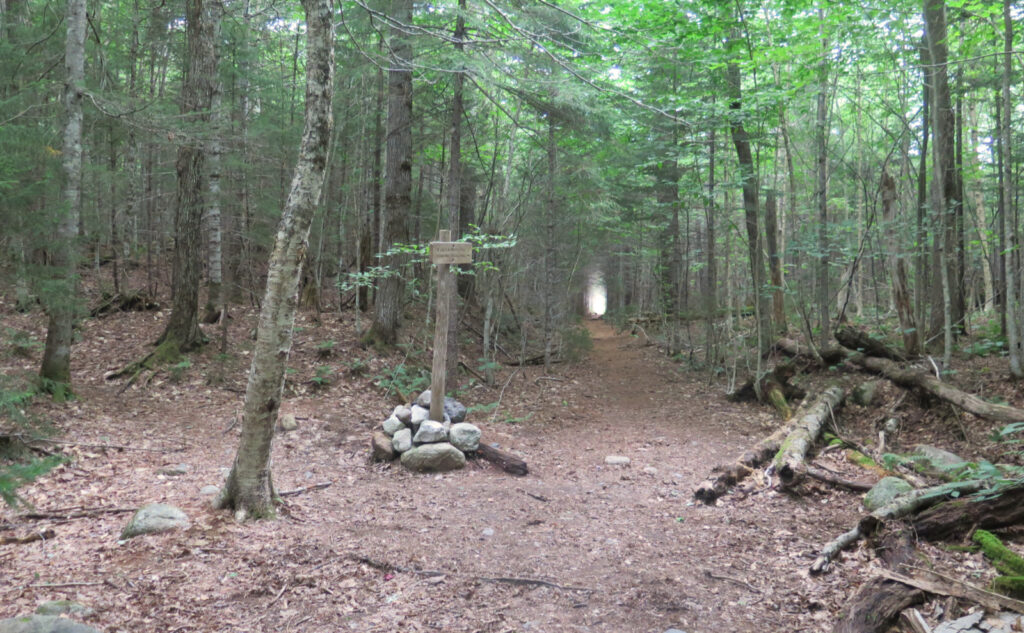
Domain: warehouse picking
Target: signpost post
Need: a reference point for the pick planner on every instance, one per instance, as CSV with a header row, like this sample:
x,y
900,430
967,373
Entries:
x,y
444,253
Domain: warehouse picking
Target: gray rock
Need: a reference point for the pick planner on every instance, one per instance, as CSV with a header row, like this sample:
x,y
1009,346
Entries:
x,y
430,432
452,407
59,607
650,470
864,393
43,624
961,625
419,415
617,460
287,422
380,447
402,441
935,461
433,458
155,518
487,532
674,631
464,436
885,491
392,425
174,471
403,413
208,491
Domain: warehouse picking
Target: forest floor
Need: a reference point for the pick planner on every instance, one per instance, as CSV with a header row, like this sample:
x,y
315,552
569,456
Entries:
x,y
577,545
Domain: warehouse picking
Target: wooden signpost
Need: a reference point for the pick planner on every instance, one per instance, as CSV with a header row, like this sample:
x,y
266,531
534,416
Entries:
x,y
444,253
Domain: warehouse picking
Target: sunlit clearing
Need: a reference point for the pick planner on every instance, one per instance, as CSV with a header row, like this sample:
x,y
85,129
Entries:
x,y
597,296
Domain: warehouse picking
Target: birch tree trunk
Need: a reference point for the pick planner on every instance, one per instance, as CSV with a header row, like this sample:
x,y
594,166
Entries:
x,y
249,489
56,366
215,298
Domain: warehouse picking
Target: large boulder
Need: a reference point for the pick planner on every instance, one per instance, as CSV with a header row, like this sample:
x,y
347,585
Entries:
x,y
452,407
433,458
430,432
464,436
885,491
381,449
936,461
155,518
43,624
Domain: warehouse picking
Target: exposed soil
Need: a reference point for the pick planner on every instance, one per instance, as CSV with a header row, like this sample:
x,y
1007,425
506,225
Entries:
x,y
577,545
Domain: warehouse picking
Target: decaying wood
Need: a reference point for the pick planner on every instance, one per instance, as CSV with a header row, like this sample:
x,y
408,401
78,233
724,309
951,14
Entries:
x,y
789,463
43,535
63,515
875,605
902,506
773,387
835,480
507,462
913,620
829,355
953,519
730,474
933,582
917,379
852,338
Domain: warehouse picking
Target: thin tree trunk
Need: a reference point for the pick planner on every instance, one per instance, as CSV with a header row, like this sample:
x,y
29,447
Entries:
x,y
821,194
741,140
249,487
898,269
455,199
215,299
56,365
771,231
1013,308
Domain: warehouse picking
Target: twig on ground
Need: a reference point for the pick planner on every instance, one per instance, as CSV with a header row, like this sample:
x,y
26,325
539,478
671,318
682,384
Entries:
x,y
55,585
537,497
742,583
44,535
67,514
299,491
120,447
514,580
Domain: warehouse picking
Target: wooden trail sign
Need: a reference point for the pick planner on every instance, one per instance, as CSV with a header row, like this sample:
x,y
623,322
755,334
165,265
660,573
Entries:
x,y
444,253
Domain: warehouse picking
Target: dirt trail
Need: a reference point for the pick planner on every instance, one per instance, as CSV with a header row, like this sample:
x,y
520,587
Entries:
x,y
578,545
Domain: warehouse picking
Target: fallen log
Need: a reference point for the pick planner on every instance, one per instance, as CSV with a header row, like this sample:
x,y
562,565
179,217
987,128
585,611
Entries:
x,y
789,462
953,519
835,480
939,584
506,461
828,355
904,505
731,474
917,379
860,341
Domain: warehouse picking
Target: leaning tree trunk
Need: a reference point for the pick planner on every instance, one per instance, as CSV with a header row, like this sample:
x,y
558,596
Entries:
x,y
398,178
182,331
56,367
249,488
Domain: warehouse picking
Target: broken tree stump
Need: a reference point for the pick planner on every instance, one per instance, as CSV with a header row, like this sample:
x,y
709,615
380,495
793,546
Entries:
x,y
789,462
953,519
773,387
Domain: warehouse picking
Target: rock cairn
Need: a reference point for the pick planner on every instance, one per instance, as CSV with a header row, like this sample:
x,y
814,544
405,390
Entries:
x,y
425,445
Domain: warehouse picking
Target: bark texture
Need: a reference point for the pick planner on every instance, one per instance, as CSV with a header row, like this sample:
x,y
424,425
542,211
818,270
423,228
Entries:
x,y
398,176
789,463
56,366
182,330
249,487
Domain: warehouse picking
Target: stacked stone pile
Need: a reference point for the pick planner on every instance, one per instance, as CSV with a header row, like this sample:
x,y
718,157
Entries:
x,y
426,445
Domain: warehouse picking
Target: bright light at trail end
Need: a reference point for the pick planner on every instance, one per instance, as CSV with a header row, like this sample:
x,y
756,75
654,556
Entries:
x,y
597,296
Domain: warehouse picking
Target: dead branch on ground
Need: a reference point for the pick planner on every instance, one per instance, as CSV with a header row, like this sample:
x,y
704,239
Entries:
x,y
789,462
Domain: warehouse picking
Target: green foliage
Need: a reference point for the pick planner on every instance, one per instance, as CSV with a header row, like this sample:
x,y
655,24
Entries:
x,y
324,376
177,370
356,366
1002,557
482,408
576,343
325,349
13,476
403,379
21,344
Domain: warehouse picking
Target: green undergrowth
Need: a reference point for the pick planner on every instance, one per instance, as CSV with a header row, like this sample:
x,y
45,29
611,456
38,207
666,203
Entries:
x,y
19,464
1006,562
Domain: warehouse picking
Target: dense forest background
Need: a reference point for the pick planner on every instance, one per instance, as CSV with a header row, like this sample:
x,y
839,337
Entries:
x,y
806,162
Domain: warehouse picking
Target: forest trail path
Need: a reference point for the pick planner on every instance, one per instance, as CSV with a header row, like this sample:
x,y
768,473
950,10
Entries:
x,y
578,545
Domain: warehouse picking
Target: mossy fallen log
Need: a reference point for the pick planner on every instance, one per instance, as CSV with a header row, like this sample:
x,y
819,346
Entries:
x,y
789,462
